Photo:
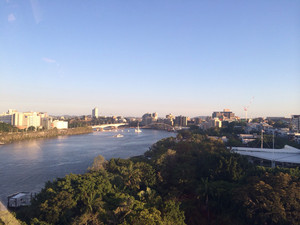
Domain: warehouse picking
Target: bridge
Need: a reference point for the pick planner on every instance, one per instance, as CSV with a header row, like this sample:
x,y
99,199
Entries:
x,y
115,125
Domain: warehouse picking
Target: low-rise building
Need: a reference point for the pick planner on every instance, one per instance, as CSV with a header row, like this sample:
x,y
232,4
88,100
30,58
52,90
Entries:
x,y
46,122
19,199
59,124
246,138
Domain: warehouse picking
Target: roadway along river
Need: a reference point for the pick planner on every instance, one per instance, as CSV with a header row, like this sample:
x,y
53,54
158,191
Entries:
x,y
27,165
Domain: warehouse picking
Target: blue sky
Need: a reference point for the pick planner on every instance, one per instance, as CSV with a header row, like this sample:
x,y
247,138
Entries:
x,y
131,57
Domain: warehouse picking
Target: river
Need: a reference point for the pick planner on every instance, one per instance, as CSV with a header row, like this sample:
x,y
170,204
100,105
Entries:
x,y
27,165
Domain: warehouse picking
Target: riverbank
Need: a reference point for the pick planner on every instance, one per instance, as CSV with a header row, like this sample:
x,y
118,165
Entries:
x,y
6,138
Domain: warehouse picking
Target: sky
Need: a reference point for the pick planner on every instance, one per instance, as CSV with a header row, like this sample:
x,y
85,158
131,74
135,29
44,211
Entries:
x,y
166,56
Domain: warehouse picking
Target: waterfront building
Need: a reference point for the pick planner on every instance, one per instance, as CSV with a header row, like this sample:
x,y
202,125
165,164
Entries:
x,y
95,113
149,118
155,116
59,124
13,117
46,122
4,118
8,117
32,119
19,199
168,121
23,120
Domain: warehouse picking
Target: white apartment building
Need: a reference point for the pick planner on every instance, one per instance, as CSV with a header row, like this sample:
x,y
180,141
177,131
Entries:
x,y
215,122
32,119
24,120
59,124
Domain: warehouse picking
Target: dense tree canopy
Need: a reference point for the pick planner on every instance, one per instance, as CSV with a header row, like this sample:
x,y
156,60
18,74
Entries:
x,y
5,127
189,179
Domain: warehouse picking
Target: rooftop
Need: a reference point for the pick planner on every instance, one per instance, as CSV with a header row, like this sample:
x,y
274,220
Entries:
x,y
288,154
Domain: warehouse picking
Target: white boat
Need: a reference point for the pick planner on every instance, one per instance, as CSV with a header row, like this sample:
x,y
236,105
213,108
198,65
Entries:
x,y
138,130
119,136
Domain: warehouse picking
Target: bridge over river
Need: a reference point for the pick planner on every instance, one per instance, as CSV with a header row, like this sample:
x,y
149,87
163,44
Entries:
x,y
114,125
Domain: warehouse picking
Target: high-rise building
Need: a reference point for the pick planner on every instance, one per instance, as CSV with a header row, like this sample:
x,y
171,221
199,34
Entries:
x,y
296,123
32,119
149,118
170,116
95,112
12,117
181,121
226,114
24,120
6,118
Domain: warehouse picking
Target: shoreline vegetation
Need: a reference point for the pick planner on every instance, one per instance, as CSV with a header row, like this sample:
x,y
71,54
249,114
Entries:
x,y
189,179
10,137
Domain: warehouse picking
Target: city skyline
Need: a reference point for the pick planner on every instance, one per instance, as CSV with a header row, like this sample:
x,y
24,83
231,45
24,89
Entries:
x,y
127,58
212,114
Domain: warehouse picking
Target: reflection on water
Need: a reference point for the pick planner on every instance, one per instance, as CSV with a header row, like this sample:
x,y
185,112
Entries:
x,y
27,165
62,137
28,150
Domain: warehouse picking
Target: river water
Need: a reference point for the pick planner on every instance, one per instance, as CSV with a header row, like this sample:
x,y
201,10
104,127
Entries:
x,y
27,165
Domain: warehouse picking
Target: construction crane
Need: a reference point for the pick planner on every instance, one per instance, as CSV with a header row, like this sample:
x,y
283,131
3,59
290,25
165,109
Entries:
x,y
247,107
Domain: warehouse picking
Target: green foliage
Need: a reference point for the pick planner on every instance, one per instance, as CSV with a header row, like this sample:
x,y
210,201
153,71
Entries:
x,y
5,127
172,213
188,179
270,199
98,164
31,128
280,124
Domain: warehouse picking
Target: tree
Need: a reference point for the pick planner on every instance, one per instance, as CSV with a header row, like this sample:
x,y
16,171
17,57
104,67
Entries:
x,y
270,199
98,164
172,214
31,128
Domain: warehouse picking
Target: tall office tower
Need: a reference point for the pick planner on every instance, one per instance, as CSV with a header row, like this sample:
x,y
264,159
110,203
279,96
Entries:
x,y
95,113
181,121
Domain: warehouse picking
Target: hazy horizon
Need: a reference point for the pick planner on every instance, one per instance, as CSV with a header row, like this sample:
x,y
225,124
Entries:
x,y
132,57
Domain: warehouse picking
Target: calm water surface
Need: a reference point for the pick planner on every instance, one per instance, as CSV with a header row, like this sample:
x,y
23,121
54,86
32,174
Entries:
x,y
27,165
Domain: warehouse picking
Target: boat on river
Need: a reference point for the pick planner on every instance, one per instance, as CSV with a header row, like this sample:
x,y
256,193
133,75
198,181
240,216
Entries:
x,y
118,136
138,130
